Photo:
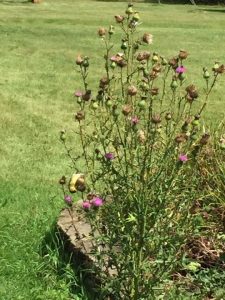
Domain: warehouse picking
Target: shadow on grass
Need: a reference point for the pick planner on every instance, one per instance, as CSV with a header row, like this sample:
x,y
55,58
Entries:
x,y
217,10
13,2
59,253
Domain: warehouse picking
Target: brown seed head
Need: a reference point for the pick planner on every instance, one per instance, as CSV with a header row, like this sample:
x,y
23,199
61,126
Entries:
x,y
80,115
154,91
147,38
127,109
173,62
132,90
183,54
102,31
144,55
157,68
141,136
119,18
181,138
220,70
204,139
156,119
79,60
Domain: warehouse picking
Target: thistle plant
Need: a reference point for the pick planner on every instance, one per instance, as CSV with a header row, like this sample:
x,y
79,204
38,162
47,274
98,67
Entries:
x,y
139,170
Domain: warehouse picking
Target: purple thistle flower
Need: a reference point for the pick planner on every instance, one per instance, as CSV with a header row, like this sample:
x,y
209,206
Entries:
x,y
181,69
78,94
97,202
86,205
109,156
183,157
114,58
68,199
134,120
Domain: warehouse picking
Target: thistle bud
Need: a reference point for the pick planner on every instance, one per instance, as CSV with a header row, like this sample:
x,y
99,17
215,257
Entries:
x,y
124,45
155,57
102,31
86,62
174,84
147,38
62,180
168,116
80,115
142,104
164,61
132,90
63,135
111,29
129,10
215,67
136,16
205,73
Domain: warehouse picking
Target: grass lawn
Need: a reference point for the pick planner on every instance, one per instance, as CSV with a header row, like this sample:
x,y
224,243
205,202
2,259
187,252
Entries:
x,y
38,46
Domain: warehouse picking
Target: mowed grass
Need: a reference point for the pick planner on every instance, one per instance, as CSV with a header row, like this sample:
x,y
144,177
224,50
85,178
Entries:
x,y
38,46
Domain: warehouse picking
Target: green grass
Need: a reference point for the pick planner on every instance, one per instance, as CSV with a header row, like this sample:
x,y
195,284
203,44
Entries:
x,y
38,47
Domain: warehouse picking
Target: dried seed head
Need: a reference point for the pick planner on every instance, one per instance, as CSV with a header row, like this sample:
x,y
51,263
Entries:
x,y
104,81
220,70
192,92
156,119
144,55
153,75
181,138
141,136
80,115
147,38
154,91
183,54
79,60
87,95
132,90
119,18
157,68
173,62
127,109
204,139
102,31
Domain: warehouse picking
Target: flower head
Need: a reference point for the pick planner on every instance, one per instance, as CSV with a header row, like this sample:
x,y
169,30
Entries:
x,y
134,120
182,157
109,156
86,205
68,199
78,94
97,202
181,69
